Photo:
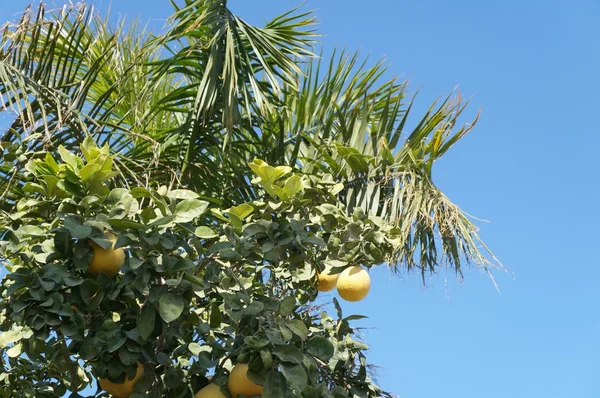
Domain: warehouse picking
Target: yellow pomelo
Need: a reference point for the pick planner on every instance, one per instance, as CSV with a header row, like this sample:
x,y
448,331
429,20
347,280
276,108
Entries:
x,y
210,391
354,283
125,389
326,281
108,261
240,384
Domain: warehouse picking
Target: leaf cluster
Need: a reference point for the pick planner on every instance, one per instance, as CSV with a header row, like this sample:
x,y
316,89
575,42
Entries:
x,y
201,289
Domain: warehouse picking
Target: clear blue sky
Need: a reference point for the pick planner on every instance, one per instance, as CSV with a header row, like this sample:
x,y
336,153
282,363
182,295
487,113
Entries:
x,y
529,167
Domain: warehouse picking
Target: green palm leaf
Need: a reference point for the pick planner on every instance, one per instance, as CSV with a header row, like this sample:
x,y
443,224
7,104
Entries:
x,y
191,107
348,125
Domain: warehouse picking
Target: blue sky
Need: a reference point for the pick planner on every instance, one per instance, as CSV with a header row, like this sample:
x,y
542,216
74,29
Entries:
x,y
530,167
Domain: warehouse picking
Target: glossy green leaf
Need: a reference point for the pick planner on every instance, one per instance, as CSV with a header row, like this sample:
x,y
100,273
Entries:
x,y
91,294
288,353
189,209
320,347
295,375
275,385
287,305
298,328
145,321
205,232
170,307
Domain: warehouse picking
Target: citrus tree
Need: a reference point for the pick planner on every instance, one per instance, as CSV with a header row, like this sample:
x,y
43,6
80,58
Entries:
x,y
173,204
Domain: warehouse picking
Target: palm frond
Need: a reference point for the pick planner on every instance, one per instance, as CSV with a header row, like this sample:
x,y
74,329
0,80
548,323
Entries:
x,y
70,75
345,122
222,59
192,106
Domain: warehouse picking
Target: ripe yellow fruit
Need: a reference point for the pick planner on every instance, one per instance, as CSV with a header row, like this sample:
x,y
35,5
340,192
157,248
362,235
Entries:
x,y
125,389
108,261
354,283
326,281
240,384
210,391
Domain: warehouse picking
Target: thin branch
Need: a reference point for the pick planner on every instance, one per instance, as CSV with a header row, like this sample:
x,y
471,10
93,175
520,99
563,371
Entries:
x,y
228,268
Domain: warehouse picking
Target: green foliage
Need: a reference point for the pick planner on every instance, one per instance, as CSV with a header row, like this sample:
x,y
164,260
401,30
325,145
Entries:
x,y
199,291
191,106
149,137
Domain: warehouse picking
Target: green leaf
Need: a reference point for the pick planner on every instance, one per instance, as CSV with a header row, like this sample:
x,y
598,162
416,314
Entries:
x,y
266,359
189,209
91,293
274,336
89,148
127,357
30,230
205,233
286,333
102,241
47,284
195,348
298,327
254,308
88,201
288,353
311,392
162,221
123,241
268,174
73,282
314,240
338,307
292,186
69,328
118,223
92,171
252,229
320,347
32,187
71,223
355,317
215,316
173,377
182,194
236,223
183,264
134,263
168,241
145,321
170,307
242,211
16,334
140,192
256,342
17,307
61,241
90,349
51,163
287,305
81,232
15,351
69,158
295,375
275,385
116,342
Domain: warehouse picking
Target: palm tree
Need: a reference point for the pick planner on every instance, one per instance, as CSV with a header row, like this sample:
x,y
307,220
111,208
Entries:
x,y
192,106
